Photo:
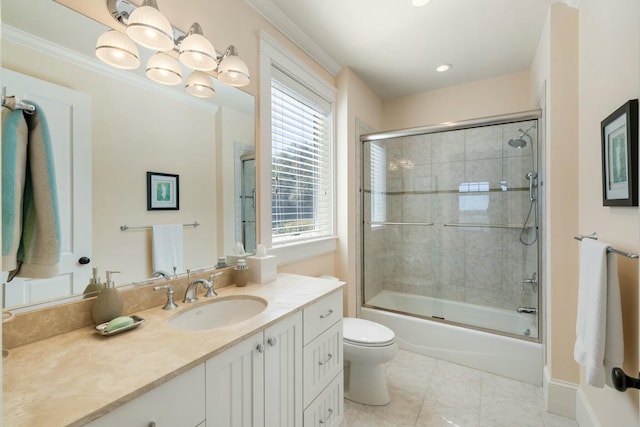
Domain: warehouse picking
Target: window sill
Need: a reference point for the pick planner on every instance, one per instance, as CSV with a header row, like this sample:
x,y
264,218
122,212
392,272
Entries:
x,y
299,251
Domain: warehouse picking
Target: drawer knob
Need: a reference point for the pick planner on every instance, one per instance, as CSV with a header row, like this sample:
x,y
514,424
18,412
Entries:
x,y
272,342
260,348
329,357
324,420
327,314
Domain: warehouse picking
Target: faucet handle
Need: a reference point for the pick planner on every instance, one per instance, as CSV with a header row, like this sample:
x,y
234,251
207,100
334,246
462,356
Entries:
x,y
213,276
170,305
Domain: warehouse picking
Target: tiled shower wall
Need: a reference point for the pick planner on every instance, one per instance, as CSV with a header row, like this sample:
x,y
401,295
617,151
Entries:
x,y
469,176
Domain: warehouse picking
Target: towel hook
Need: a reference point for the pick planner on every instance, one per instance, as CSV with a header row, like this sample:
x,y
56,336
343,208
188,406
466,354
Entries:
x,y
622,381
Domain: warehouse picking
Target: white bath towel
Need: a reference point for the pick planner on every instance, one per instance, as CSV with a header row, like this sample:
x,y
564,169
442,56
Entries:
x,y
168,248
599,343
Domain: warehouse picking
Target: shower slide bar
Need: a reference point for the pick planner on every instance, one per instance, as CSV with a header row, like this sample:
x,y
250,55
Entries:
x,y
594,236
424,224
141,227
518,226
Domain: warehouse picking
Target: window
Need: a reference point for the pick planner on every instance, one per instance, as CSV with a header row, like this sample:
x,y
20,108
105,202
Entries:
x,y
296,161
301,170
378,183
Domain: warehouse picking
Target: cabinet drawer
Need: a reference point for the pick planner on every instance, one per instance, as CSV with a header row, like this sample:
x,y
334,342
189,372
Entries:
x,y
322,360
185,392
321,314
328,408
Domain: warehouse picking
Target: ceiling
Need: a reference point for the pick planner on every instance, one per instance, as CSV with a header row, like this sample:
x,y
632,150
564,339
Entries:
x,y
395,47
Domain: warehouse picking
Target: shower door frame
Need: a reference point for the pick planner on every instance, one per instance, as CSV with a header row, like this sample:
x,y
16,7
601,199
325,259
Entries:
x,y
453,126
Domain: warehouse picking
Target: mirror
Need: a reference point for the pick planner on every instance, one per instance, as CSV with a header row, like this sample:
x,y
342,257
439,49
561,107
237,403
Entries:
x,y
136,126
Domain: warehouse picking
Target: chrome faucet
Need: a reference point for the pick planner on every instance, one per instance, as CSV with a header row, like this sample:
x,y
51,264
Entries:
x,y
528,310
191,294
161,273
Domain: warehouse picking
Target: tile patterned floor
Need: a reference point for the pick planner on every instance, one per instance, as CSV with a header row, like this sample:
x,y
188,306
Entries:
x,y
427,392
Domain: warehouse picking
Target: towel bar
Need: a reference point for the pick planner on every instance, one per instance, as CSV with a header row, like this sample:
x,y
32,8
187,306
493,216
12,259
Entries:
x,y
594,236
140,227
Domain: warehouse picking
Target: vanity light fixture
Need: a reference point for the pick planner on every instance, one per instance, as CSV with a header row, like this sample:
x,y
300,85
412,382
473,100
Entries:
x,y
199,84
444,67
163,69
196,51
148,27
117,50
232,70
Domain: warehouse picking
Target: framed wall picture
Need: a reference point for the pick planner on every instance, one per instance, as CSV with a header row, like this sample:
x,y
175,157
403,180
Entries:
x,y
163,191
619,133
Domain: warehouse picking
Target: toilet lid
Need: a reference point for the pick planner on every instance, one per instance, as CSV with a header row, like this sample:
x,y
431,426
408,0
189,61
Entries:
x,y
366,333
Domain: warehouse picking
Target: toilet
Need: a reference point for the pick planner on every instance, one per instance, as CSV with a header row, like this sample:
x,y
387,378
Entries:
x,y
367,347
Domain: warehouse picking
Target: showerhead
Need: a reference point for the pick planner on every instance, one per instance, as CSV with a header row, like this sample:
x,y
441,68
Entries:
x,y
519,142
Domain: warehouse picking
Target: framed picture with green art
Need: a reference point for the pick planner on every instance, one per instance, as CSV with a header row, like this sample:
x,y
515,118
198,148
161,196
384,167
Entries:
x,y
163,191
620,156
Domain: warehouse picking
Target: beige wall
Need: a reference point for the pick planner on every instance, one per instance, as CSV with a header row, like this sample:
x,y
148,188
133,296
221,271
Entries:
x,y
355,102
554,82
490,97
609,75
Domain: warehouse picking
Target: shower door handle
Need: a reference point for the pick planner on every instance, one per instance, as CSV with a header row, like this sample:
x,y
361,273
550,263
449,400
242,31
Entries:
x,y
253,195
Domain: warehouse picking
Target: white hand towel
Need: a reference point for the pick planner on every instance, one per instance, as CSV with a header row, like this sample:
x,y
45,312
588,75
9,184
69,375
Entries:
x,y
599,343
168,248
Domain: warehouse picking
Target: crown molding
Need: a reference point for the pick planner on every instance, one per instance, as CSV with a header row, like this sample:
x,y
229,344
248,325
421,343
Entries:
x,y
286,26
47,47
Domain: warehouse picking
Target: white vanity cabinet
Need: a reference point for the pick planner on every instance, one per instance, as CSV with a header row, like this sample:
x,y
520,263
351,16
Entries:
x,y
258,382
323,390
178,402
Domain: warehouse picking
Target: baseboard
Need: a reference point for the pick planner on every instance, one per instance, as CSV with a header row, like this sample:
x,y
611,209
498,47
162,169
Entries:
x,y
560,396
584,412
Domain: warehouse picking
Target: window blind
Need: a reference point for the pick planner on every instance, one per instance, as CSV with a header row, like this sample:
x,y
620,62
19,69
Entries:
x,y
301,153
378,163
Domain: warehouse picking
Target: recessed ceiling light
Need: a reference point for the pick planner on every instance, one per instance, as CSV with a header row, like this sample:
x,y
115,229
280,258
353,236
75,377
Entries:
x,y
444,67
420,3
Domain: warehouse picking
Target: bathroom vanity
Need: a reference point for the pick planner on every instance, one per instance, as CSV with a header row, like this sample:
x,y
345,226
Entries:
x,y
281,367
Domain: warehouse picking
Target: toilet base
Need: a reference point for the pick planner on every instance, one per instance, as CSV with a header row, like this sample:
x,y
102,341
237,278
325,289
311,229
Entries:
x,y
366,384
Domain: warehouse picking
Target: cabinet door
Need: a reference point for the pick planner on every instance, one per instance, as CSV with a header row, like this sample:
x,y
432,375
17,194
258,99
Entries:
x,y
283,373
179,402
235,385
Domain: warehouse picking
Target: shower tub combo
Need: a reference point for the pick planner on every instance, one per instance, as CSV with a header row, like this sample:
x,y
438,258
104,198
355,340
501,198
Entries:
x,y
451,241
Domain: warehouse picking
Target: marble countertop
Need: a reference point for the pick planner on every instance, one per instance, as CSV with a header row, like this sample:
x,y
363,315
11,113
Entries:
x,y
74,378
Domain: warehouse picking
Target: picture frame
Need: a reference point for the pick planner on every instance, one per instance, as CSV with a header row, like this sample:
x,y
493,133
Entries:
x,y
163,191
619,134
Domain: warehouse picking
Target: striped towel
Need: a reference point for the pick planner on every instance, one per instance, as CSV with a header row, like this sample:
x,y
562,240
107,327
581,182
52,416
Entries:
x,y
30,219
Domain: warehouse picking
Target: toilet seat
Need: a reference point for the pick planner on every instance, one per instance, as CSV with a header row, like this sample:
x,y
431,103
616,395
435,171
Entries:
x,y
361,332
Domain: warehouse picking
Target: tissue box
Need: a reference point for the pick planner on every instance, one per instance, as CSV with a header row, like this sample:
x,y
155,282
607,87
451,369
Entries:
x,y
262,269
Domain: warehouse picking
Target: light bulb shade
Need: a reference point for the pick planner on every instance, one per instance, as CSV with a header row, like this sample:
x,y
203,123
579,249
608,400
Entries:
x,y
200,84
196,51
162,68
232,70
117,50
148,27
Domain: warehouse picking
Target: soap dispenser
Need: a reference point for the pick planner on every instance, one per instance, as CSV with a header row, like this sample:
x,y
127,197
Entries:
x,y
94,285
108,303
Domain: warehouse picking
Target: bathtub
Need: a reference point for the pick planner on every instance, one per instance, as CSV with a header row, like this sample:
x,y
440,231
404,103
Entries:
x,y
511,357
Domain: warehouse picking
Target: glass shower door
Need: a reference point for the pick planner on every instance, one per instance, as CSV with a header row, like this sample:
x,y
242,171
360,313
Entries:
x,y
451,226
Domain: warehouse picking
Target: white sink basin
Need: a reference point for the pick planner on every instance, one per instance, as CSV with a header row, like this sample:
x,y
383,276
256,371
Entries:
x,y
218,313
